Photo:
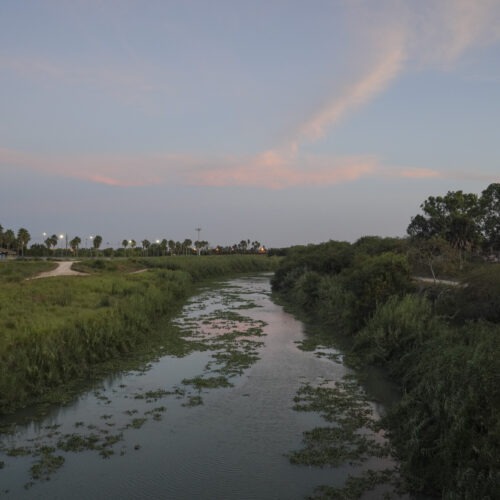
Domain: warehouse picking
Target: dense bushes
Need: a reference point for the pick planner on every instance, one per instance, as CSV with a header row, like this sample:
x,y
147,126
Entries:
x,y
447,426
443,349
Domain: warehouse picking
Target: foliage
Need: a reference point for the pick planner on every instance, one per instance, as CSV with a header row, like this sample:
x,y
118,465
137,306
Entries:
x,y
394,336
373,281
447,426
490,216
442,346
343,283
464,220
477,298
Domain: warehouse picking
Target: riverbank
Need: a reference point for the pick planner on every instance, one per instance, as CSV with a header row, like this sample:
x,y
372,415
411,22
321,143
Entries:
x,y
57,331
439,342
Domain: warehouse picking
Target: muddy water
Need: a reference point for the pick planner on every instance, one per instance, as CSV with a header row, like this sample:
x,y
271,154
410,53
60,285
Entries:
x,y
155,433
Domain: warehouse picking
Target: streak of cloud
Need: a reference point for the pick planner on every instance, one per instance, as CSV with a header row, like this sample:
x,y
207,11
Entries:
x,y
423,35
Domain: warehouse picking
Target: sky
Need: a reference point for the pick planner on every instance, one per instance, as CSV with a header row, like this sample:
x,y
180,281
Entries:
x,y
286,122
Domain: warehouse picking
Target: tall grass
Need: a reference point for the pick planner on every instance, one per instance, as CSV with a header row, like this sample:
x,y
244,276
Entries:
x,y
54,330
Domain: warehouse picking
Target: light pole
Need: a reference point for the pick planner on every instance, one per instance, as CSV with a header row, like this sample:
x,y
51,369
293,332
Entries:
x,y
198,230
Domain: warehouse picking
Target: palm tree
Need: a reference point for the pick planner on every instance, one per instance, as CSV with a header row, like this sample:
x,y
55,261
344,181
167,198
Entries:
x,y
186,244
97,242
145,245
164,245
171,246
23,237
51,242
74,244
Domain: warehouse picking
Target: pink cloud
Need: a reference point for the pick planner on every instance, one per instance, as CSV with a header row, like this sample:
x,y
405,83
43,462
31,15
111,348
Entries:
x,y
356,93
273,170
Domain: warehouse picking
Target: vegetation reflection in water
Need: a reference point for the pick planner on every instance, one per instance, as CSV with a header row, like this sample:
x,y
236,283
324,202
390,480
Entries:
x,y
209,323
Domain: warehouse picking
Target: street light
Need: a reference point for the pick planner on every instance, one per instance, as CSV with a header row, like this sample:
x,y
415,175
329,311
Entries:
x,y
64,236
198,230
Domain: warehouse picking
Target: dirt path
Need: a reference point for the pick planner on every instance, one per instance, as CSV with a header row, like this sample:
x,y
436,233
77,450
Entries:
x,y
436,281
62,269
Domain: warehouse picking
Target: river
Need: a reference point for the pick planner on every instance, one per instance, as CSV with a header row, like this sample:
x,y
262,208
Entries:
x,y
218,423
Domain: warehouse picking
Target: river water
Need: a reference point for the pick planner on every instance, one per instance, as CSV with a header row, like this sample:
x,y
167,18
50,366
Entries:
x,y
154,433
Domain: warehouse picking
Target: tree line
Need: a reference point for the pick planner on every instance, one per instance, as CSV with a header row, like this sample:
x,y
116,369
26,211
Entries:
x,y
17,243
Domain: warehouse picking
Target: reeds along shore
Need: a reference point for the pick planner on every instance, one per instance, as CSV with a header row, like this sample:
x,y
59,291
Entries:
x,y
56,330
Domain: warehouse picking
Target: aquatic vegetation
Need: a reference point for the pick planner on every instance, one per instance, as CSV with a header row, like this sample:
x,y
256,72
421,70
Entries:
x,y
353,437
201,382
137,423
193,401
153,395
357,486
47,464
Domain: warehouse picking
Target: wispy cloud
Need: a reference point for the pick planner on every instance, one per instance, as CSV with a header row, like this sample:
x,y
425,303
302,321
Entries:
x,y
356,93
442,31
416,35
268,170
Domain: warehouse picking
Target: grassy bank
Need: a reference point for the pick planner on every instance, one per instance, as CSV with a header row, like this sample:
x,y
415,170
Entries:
x,y
440,344
56,330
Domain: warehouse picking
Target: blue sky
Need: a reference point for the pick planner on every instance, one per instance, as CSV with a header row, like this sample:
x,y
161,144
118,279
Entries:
x,y
287,122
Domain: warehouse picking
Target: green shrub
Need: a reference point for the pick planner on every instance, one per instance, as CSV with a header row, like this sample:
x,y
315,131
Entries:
x,y
397,331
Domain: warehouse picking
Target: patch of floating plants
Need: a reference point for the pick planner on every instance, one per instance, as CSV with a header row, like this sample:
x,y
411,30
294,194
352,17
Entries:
x,y
352,437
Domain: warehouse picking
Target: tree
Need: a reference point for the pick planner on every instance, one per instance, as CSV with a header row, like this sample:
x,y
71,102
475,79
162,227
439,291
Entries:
x,y
454,217
171,246
97,242
145,246
163,246
125,244
23,237
255,246
490,216
186,244
75,244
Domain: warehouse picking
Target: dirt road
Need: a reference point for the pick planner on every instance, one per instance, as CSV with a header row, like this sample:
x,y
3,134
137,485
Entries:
x,y
62,269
